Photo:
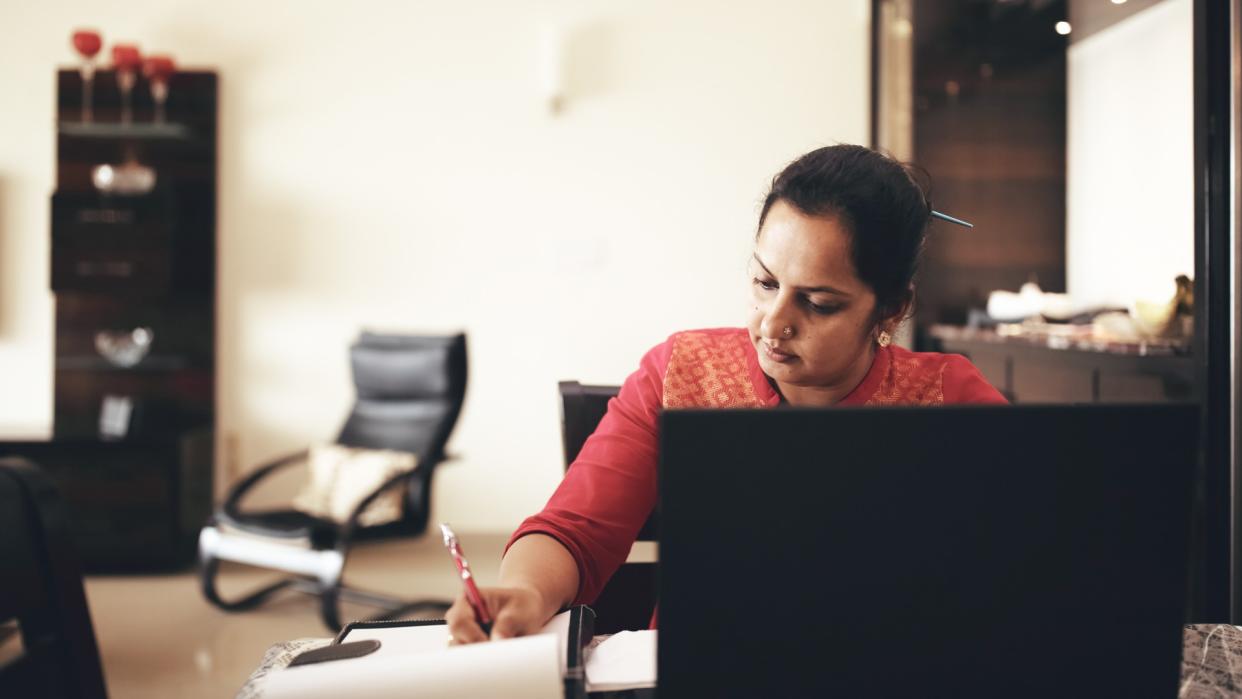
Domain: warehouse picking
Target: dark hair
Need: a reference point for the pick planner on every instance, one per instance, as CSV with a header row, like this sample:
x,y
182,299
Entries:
x,y
876,199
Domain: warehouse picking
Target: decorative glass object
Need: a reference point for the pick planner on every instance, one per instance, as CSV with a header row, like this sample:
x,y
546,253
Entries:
x,y
124,348
87,43
127,61
158,70
130,178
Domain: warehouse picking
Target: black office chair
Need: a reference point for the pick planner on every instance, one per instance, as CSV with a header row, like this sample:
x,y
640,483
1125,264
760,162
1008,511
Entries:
x,y
629,598
42,604
410,393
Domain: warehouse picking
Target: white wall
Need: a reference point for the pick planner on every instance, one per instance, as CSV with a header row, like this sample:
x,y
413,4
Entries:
x,y
391,165
1130,178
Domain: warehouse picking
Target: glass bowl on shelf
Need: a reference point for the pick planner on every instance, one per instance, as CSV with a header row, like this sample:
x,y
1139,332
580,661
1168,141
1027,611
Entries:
x,y
124,348
130,178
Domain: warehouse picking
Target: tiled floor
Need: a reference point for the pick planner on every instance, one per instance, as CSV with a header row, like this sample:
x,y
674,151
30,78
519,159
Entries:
x,y
159,637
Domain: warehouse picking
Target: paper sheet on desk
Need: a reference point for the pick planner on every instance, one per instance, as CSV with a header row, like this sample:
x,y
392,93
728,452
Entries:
x,y
520,668
625,660
434,638
418,657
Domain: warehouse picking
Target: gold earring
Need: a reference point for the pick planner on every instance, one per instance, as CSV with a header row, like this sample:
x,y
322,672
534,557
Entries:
x,y
884,339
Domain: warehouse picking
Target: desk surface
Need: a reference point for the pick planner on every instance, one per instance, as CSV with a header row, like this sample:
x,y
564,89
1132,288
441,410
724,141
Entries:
x,y
1211,662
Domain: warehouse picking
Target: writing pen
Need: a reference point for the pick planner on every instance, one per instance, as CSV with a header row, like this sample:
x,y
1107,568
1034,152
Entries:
x,y
481,614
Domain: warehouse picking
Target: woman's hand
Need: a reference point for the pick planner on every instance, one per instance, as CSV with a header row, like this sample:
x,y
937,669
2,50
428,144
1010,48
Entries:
x,y
516,611
538,577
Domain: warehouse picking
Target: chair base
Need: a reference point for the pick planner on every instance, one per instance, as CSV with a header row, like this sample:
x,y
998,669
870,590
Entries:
x,y
315,572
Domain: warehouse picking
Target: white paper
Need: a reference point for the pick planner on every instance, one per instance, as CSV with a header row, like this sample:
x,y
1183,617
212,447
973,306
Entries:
x,y
434,637
519,668
417,660
558,628
404,640
625,660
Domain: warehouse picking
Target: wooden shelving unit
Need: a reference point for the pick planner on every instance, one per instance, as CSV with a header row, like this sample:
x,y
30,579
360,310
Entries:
x,y
121,262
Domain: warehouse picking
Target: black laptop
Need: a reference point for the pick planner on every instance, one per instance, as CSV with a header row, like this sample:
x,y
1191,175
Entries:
x,y
925,552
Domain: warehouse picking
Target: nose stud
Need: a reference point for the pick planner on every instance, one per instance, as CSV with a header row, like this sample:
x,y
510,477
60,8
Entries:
x,y
787,332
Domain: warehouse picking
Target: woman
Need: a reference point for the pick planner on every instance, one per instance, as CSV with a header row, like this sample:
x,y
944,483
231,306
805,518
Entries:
x,y
836,250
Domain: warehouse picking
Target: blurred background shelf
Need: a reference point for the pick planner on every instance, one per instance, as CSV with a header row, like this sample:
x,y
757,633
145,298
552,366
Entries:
x,y
138,481
150,363
1028,370
116,130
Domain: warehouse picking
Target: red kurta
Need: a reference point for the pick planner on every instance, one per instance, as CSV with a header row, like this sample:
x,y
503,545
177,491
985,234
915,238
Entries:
x,y
610,490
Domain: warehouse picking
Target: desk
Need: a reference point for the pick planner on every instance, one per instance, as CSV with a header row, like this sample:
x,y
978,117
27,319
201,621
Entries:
x,y
1211,664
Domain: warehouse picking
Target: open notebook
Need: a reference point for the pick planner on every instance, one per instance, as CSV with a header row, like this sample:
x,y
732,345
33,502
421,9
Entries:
x,y
414,658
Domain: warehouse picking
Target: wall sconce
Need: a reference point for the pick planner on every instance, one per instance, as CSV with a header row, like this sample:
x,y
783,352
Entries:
x,y
553,38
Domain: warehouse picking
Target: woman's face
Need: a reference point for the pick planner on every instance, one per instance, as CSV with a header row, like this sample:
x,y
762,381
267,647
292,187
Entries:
x,y
803,278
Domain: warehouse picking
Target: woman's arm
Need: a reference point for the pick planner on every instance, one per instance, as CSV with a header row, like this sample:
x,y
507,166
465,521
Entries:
x,y
538,578
541,563
564,554
610,489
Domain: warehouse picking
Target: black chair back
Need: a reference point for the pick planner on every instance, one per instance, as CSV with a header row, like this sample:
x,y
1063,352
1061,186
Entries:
x,y
41,593
410,390
582,407
627,601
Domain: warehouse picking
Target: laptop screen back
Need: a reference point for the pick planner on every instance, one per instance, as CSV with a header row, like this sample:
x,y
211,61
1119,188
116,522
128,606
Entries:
x,y
948,552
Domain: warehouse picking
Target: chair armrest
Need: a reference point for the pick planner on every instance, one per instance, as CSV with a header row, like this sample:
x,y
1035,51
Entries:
x,y
233,500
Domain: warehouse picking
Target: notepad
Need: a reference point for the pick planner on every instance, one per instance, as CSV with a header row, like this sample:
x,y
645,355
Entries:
x,y
414,658
410,638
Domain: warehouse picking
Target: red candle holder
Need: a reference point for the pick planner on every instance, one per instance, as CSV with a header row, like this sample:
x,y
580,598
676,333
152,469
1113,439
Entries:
x,y
159,70
87,43
127,61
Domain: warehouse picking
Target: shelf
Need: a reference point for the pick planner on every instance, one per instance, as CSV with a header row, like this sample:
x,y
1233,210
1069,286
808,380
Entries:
x,y
140,131
1060,337
152,362
128,261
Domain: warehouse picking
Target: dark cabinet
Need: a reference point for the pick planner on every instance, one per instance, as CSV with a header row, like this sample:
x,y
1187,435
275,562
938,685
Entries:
x,y
112,244
134,504
134,278
1030,372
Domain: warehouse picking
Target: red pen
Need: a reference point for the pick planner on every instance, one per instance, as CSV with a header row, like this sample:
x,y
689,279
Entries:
x,y
483,616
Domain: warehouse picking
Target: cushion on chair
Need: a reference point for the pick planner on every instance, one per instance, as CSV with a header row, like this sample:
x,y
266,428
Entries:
x,y
341,477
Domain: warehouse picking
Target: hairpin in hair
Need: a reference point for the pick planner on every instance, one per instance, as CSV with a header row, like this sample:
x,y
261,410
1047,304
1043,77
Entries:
x,y
950,219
